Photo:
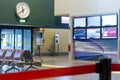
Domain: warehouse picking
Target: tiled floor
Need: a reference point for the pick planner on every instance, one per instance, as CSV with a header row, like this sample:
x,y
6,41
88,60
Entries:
x,y
63,61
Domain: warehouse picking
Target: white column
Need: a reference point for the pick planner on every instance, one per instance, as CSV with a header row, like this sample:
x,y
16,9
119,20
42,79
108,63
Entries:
x,y
71,53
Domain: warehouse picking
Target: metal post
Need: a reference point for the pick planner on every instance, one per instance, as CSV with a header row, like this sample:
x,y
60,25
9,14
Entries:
x,y
104,69
38,47
39,52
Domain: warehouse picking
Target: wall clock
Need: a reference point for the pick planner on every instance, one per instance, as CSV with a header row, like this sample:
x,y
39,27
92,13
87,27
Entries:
x,y
22,10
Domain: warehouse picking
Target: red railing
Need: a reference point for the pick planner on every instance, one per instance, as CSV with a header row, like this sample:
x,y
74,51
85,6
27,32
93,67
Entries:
x,y
115,67
48,73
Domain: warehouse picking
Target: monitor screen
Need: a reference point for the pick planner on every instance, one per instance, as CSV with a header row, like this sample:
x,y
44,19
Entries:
x,y
93,33
79,33
109,20
79,22
93,21
109,32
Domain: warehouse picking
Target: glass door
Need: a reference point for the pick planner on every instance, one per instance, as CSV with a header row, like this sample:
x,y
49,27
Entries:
x,y
27,39
7,39
18,39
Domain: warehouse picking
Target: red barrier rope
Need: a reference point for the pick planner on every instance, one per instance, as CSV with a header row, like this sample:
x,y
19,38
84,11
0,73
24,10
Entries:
x,y
48,73
115,67
38,74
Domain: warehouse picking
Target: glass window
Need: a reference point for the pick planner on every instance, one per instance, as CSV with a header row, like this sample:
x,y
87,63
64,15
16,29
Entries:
x,y
27,39
18,38
7,38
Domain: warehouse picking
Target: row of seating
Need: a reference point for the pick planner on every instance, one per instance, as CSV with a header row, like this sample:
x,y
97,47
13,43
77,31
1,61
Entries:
x,y
15,57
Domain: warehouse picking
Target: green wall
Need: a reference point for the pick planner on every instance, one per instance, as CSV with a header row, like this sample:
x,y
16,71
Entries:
x,y
42,13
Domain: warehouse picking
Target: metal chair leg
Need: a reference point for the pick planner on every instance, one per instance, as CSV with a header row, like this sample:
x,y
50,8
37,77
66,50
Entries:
x,y
13,67
31,66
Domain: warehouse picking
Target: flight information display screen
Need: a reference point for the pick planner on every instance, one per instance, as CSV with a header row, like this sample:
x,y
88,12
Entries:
x,y
79,22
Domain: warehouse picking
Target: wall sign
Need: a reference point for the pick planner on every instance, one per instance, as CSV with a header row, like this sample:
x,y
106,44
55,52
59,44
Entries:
x,y
39,38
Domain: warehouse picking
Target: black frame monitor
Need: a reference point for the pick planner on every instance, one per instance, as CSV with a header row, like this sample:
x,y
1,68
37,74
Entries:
x,y
93,21
109,32
109,20
79,33
79,22
93,33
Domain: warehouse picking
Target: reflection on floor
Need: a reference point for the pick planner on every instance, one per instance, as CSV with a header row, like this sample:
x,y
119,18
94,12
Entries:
x,y
63,61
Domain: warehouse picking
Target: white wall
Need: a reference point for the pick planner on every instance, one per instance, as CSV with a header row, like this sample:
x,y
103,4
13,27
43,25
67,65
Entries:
x,y
86,7
62,7
90,7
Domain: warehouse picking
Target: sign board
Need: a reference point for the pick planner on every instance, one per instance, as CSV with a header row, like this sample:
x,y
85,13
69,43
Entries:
x,y
56,38
39,38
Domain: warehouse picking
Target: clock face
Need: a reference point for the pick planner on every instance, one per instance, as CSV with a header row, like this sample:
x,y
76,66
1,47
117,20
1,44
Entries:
x,y
22,10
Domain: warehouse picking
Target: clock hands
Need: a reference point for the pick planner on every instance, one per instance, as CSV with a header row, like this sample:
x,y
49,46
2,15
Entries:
x,y
22,11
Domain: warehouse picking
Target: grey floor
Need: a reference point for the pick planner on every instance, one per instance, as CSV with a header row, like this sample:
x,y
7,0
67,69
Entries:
x,y
63,61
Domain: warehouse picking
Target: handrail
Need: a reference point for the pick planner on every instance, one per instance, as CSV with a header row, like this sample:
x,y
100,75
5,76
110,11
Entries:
x,y
102,68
